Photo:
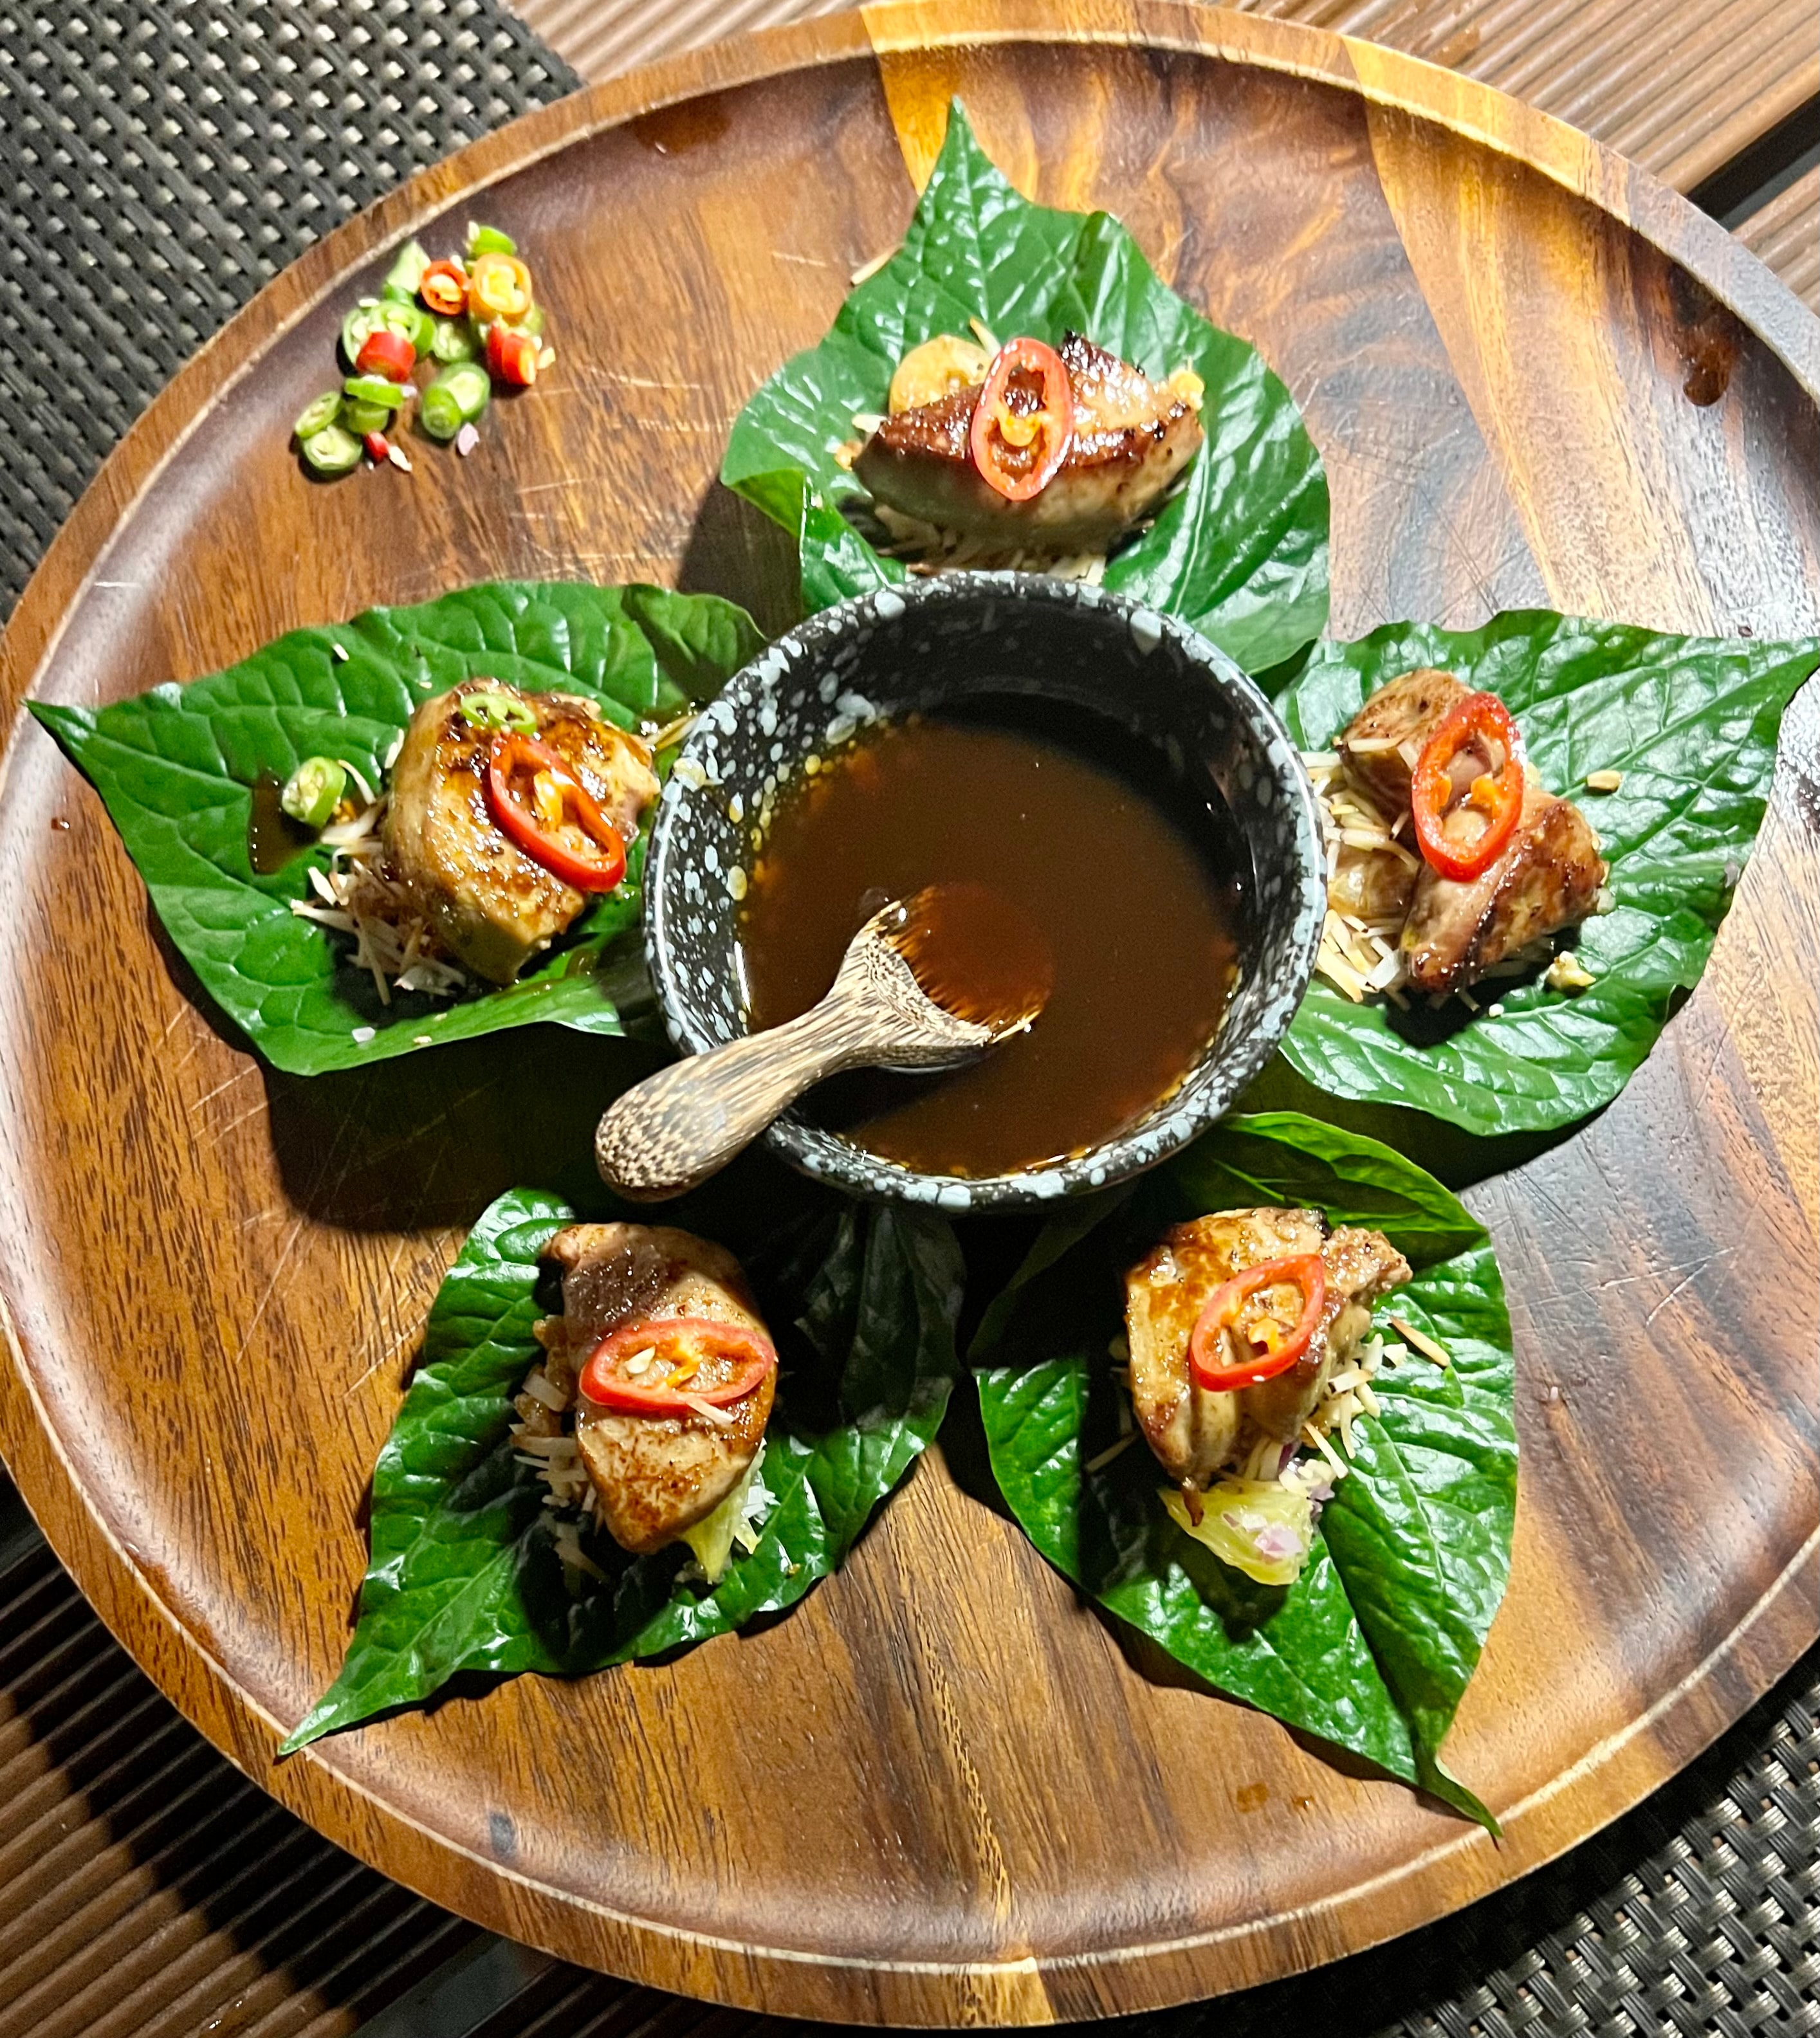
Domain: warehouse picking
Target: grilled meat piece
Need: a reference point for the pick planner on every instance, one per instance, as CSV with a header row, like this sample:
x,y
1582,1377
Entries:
x,y
1373,884
1549,877
654,1476
1132,437
490,906
1401,716
1194,1432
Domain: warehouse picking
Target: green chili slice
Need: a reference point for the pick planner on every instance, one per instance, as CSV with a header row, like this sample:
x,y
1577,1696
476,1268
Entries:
x,y
314,790
410,319
361,419
456,398
488,709
417,325
374,390
407,268
362,321
454,340
489,240
331,451
324,410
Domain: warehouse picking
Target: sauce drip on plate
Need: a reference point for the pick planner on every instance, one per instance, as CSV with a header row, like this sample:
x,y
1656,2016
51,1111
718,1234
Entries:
x,y
272,837
1060,823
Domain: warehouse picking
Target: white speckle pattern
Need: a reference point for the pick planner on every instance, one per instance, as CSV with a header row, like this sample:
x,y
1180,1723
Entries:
x,y
1145,627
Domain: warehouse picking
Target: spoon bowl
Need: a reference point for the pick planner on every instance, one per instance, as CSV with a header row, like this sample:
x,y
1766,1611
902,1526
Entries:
x,y
681,1125
936,646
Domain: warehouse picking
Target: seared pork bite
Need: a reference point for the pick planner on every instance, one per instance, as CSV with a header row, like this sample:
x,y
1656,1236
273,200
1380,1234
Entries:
x,y
660,1356
1447,856
1129,439
1247,1330
1384,738
489,900
1549,877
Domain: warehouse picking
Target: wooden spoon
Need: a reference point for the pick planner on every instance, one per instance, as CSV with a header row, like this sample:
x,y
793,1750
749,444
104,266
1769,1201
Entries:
x,y
678,1127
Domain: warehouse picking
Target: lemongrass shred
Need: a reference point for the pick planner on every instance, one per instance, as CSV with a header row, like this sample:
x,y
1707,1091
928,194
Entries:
x,y
1319,1440
1102,1459
1420,1341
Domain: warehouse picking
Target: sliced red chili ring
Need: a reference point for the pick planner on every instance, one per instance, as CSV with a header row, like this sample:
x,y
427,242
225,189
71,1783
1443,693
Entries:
x,y
444,288
1482,719
512,356
498,286
1018,447
656,1391
386,352
1220,1313
510,753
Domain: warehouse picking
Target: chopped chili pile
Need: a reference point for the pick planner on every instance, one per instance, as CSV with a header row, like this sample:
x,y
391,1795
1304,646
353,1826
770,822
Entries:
x,y
445,334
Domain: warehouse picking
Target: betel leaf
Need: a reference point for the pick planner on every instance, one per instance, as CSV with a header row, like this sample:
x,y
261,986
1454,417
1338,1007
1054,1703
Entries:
x,y
464,1575
1691,724
1241,552
176,766
1373,1646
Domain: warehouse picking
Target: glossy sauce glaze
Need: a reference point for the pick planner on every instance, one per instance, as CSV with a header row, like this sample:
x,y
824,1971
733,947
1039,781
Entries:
x,y
272,837
1134,895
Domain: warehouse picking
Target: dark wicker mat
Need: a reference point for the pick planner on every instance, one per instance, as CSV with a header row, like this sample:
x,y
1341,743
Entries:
x,y
161,159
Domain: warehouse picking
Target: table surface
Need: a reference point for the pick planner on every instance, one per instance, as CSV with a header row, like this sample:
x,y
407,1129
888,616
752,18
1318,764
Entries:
x,y
1681,88
162,162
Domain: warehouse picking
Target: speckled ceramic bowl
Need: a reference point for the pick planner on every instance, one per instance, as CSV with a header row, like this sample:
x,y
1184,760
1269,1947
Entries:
x,y
887,654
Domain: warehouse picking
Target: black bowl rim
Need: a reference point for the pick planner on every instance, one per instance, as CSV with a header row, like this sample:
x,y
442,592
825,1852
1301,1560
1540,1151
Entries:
x,y
841,1164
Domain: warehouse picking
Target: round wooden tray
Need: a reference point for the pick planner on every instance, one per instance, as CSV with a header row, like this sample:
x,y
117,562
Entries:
x,y
939,1792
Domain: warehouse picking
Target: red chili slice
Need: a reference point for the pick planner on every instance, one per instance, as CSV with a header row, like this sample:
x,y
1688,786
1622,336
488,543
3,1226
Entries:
x,y
1483,719
1020,437
388,353
512,357
657,1391
1220,1313
444,288
510,753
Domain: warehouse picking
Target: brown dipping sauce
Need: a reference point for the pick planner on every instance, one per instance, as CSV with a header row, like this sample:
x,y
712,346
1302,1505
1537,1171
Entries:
x,y
972,950
1135,895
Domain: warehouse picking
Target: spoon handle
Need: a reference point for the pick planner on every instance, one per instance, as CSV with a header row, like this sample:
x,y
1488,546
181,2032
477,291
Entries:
x,y
675,1128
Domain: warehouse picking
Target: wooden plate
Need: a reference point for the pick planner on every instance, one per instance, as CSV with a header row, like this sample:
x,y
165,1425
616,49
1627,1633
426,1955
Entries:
x,y
939,1792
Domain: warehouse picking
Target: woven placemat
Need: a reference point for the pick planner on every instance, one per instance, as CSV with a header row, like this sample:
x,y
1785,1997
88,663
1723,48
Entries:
x,y
163,158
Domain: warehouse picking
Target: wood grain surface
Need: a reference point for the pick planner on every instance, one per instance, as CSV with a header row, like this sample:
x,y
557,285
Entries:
x,y
1679,89
940,1791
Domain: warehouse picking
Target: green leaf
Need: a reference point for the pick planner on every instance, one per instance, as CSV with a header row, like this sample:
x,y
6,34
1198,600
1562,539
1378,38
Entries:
x,y
1373,1646
1691,722
464,1575
699,641
1241,553
176,767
